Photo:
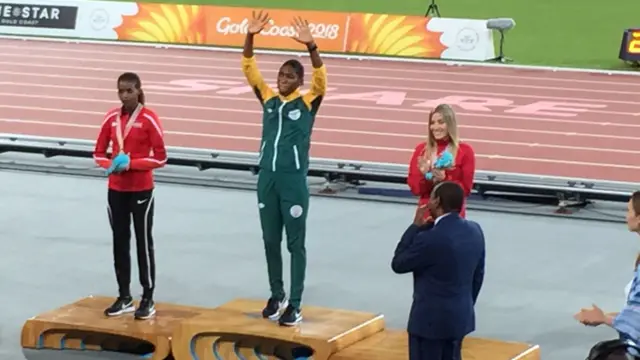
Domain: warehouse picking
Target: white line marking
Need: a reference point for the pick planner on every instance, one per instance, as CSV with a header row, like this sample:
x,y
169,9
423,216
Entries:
x,y
409,150
144,66
634,125
327,55
342,130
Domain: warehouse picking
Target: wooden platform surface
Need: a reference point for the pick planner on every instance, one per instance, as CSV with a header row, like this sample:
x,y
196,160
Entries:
x,y
324,330
237,327
393,345
87,315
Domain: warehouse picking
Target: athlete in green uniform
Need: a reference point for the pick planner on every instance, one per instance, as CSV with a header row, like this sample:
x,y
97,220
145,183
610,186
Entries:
x,y
283,194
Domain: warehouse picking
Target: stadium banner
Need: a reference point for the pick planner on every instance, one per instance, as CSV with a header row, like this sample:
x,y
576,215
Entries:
x,y
225,26
418,36
64,18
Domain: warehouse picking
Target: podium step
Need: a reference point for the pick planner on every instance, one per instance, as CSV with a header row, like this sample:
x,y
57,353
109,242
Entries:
x,y
82,325
394,345
237,328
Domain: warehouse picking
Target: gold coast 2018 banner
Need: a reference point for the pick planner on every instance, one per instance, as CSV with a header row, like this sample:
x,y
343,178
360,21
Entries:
x,y
375,34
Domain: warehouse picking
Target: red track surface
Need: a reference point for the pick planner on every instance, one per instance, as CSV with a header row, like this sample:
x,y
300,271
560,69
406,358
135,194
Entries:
x,y
63,90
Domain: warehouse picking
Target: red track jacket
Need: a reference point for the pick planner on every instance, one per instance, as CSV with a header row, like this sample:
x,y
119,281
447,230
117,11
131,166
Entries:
x,y
465,168
144,144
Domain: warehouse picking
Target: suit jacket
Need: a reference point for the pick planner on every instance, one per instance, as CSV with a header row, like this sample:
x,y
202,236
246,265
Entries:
x,y
447,262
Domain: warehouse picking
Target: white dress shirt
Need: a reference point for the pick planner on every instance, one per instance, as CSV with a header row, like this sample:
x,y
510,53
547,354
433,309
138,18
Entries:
x,y
439,218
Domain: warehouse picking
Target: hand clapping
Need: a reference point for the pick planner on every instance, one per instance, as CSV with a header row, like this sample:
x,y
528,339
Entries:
x,y
424,164
591,317
438,175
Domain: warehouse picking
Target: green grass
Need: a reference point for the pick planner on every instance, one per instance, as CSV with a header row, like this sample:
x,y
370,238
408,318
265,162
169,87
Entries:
x,y
576,33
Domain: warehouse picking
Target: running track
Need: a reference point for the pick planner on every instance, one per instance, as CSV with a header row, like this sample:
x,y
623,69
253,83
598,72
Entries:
x,y
521,121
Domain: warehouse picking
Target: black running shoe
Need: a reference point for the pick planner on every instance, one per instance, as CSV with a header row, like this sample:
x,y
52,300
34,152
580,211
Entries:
x,y
122,305
146,310
274,308
291,316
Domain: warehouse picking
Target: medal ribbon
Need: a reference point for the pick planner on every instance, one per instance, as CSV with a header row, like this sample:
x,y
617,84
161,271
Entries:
x,y
120,135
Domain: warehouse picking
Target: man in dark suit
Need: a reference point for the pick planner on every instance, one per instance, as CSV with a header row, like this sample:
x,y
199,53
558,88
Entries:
x,y
446,255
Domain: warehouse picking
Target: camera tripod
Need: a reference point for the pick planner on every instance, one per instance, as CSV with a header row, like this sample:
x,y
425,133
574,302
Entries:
x,y
433,8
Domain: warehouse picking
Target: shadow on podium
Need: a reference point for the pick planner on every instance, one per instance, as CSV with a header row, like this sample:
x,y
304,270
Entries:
x,y
234,330
45,354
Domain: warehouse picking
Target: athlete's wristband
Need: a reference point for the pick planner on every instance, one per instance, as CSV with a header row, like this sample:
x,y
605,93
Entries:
x,y
313,47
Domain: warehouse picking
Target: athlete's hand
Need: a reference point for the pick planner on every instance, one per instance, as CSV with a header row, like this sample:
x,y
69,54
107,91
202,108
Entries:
x,y
258,22
424,164
438,175
302,30
119,164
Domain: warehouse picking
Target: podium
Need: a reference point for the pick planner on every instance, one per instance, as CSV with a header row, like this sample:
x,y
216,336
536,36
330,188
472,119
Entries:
x,y
82,325
236,330
237,327
393,345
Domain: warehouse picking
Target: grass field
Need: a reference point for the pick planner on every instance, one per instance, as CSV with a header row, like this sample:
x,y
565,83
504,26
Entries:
x,y
576,33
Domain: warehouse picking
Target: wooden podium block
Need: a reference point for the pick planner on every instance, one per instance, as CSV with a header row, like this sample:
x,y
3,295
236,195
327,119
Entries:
x,y
394,345
237,327
82,325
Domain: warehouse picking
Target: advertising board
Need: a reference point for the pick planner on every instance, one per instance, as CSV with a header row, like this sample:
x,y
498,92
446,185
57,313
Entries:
x,y
225,26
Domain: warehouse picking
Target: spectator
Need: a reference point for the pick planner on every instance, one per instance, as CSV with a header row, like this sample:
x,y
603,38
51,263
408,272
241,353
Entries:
x,y
627,321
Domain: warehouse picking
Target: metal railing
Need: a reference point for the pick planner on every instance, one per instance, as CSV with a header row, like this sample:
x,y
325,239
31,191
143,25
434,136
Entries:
x,y
352,172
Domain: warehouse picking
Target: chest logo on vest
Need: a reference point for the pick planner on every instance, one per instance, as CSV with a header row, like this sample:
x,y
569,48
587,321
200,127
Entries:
x,y
294,114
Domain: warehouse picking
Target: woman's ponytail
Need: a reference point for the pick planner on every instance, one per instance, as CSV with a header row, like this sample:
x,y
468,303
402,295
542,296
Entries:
x,y
141,97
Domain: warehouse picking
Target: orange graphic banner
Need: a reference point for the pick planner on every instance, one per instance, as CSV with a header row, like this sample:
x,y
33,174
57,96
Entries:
x,y
392,35
373,34
227,26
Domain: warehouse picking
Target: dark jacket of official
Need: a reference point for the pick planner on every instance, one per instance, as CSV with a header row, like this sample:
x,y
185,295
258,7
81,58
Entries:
x,y
447,261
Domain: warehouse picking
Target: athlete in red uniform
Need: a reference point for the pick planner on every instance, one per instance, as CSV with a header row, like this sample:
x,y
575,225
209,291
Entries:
x,y
136,137
442,134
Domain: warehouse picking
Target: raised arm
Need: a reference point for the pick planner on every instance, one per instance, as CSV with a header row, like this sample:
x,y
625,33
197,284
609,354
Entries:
x,y
313,98
249,64
318,88
103,141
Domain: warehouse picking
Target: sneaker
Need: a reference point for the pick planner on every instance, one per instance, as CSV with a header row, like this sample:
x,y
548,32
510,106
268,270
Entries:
x,y
291,316
274,308
146,310
122,305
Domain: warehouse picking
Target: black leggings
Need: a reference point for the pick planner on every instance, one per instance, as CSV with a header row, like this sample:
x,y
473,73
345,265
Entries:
x,y
122,205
